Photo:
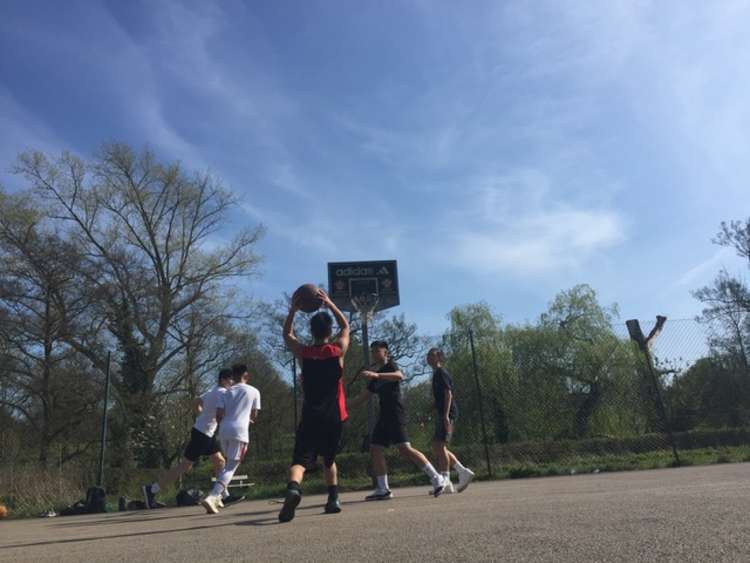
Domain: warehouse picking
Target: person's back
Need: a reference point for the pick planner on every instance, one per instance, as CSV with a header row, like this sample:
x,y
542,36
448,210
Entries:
x,y
237,408
206,421
239,402
322,383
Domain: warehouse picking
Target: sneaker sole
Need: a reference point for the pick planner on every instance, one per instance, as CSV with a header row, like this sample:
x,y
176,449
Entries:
x,y
437,492
210,509
389,497
332,509
290,505
462,488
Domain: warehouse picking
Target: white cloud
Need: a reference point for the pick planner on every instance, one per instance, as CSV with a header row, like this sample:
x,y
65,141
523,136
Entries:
x,y
706,269
21,131
538,243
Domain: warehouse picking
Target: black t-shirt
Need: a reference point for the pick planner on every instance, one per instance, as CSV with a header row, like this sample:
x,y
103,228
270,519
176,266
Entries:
x,y
389,393
441,380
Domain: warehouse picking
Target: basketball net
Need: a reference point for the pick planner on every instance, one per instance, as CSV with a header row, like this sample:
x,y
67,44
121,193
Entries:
x,y
365,304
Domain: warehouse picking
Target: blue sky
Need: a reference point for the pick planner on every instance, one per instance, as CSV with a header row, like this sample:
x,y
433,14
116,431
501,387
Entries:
x,y
500,151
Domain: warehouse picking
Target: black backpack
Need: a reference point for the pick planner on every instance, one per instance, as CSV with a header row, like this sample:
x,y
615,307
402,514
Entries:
x,y
190,497
96,500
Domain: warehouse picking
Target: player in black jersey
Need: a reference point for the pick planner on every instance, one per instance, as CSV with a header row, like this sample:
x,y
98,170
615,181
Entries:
x,y
390,429
445,420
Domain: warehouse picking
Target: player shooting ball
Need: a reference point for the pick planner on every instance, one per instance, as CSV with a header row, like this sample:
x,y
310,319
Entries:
x,y
323,404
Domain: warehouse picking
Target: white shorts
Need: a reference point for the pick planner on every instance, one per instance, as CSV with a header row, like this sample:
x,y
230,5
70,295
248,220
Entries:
x,y
233,449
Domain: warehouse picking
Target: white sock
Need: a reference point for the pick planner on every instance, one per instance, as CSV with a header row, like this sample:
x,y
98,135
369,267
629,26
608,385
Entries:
x,y
225,494
155,488
430,471
382,482
446,475
458,467
225,476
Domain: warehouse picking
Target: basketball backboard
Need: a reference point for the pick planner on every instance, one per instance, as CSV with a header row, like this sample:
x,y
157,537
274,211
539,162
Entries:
x,y
376,281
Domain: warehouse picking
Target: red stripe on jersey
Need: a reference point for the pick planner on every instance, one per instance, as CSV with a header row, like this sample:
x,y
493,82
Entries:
x,y
342,401
322,352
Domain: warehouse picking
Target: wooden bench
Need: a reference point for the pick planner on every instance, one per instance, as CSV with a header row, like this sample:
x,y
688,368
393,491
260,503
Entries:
x,y
237,481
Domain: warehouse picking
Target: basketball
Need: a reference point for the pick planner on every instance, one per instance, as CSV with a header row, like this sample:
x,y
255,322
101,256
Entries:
x,y
3,511
307,297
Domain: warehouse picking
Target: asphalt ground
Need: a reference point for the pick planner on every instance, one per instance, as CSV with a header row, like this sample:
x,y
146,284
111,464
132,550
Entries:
x,y
686,514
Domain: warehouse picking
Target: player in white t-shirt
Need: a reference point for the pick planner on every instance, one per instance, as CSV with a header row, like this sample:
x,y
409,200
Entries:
x,y
203,440
237,410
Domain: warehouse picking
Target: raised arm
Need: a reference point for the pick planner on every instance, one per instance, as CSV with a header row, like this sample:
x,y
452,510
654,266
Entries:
x,y
290,340
343,337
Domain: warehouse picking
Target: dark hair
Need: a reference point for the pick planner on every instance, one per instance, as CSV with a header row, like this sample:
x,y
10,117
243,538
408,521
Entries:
x,y
237,371
379,344
437,352
225,374
321,325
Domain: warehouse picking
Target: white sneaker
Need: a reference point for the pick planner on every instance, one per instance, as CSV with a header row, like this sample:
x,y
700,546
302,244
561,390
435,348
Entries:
x,y
211,504
465,477
220,502
380,494
449,489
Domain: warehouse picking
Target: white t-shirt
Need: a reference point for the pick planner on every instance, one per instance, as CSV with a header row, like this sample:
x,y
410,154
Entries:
x,y
238,402
206,420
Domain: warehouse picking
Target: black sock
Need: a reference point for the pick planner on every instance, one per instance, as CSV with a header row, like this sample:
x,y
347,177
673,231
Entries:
x,y
333,491
294,486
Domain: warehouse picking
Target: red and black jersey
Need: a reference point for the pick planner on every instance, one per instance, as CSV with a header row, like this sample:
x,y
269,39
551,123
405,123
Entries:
x,y
322,383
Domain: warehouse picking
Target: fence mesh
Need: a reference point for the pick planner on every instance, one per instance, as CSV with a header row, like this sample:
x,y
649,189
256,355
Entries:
x,y
554,401
536,400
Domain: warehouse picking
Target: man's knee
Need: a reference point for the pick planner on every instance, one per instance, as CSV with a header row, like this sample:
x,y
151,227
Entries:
x,y
405,449
218,461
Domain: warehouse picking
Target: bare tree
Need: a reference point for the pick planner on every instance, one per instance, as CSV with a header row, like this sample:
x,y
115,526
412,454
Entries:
x,y
45,380
149,234
727,301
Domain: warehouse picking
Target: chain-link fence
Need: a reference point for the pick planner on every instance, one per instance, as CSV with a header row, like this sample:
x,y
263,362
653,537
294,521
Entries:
x,y
543,399
558,399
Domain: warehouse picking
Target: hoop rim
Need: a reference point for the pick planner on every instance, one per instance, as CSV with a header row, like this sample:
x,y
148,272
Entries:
x,y
365,303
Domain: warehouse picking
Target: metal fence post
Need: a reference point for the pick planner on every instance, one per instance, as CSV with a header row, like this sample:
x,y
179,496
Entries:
x,y
102,446
481,402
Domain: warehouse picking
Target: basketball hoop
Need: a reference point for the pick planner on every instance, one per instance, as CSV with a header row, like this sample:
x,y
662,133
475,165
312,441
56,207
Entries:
x,y
365,304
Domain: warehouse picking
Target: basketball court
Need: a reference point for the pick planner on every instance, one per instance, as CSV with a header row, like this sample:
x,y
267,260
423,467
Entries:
x,y
686,514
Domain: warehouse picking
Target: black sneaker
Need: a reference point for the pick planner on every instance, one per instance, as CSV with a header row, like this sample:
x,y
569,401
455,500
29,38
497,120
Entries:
x,y
149,498
293,497
333,506
380,495
231,499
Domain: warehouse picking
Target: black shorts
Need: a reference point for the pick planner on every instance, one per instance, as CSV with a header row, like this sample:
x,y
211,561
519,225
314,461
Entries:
x,y
201,445
389,433
317,438
441,433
